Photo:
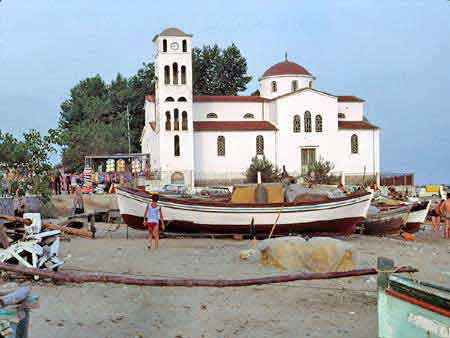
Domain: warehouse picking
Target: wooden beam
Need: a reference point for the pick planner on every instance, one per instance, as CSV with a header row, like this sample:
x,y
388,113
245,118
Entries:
x,y
70,231
99,277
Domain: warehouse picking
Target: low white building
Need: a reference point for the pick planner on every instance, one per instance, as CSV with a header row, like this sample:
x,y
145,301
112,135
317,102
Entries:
x,y
213,138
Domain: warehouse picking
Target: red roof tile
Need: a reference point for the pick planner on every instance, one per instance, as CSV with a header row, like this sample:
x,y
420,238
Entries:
x,y
224,98
286,68
233,126
349,98
356,125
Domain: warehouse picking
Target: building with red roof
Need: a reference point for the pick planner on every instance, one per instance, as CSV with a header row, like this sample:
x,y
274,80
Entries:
x,y
292,123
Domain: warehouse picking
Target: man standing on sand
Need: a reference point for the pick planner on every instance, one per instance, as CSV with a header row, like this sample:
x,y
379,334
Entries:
x,y
445,213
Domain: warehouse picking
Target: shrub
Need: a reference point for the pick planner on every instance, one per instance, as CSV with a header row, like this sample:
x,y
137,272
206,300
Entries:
x,y
269,173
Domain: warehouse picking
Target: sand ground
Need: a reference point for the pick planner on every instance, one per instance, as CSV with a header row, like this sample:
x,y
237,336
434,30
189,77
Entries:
x,y
335,308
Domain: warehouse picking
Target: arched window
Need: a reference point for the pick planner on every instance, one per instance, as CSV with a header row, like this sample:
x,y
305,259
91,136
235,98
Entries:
x,y
176,145
308,122
176,120
184,121
249,116
221,146
175,72
310,84
184,46
294,85
296,124
168,123
211,116
169,99
274,86
182,99
318,124
341,116
354,144
164,45
259,145
166,75
183,74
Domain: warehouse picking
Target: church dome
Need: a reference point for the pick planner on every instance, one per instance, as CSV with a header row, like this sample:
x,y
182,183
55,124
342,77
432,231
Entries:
x,y
286,68
172,31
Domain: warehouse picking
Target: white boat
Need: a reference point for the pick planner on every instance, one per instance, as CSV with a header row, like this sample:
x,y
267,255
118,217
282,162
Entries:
x,y
339,216
417,216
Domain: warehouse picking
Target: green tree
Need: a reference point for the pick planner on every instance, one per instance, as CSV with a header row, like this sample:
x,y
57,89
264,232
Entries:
x,y
320,172
219,71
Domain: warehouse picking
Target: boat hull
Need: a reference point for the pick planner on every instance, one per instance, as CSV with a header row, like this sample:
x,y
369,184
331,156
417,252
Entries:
x,y
417,216
390,222
338,217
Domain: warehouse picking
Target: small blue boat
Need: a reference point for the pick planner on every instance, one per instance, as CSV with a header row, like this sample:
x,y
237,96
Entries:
x,y
412,309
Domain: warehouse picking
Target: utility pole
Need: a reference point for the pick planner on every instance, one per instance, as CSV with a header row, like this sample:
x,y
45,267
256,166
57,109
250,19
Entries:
x,y
129,135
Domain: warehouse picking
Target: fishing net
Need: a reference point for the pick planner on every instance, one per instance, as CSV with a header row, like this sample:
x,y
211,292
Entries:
x,y
321,254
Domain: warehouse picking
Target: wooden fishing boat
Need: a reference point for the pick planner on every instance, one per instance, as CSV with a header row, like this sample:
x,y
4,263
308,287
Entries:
x,y
338,216
417,216
410,308
387,221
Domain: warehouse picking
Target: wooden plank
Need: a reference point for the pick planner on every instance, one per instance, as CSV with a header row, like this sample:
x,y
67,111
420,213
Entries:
x,y
77,232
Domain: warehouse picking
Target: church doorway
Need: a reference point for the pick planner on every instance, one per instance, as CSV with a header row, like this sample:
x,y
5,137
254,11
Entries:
x,y
177,178
308,157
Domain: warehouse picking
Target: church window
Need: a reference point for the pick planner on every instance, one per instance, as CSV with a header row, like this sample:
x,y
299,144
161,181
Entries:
x,y
176,120
221,146
211,116
274,86
184,46
294,85
249,116
341,116
310,84
184,121
169,99
164,45
354,144
182,99
319,126
259,145
175,72
166,75
183,74
176,145
308,122
168,123
297,124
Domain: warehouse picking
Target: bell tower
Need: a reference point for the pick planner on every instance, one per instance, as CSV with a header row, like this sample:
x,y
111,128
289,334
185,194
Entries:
x,y
173,97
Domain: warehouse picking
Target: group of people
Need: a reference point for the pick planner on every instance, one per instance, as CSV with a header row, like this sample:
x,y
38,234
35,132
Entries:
x,y
66,182
441,213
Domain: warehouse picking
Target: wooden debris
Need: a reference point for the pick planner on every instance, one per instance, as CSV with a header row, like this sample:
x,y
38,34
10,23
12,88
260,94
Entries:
x,y
77,232
18,296
98,277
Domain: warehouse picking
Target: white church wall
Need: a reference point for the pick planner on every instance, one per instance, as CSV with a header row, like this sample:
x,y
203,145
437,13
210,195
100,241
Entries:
x,y
368,157
290,143
150,112
270,111
240,147
353,111
227,111
284,84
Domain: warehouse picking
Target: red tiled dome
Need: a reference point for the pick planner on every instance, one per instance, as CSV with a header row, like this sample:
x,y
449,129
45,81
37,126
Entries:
x,y
286,68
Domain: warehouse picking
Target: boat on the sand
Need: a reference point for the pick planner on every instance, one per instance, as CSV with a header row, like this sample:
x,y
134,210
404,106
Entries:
x,y
337,216
412,308
386,221
417,216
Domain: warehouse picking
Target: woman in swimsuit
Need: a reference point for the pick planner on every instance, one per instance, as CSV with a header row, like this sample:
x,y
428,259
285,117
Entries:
x,y
152,216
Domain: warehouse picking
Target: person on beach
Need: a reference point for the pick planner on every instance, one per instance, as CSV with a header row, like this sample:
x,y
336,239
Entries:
x,y
152,216
436,219
445,212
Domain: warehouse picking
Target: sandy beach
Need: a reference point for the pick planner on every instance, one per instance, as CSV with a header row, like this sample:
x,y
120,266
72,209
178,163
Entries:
x,y
335,308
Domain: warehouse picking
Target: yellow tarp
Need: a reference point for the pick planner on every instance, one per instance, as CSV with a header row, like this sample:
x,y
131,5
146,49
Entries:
x,y
244,194
275,193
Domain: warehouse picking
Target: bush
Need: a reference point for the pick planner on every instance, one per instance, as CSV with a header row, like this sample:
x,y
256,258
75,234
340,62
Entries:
x,y
269,173
320,172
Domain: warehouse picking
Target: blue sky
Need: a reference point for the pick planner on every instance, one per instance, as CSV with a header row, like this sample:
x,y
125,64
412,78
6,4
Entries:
x,y
394,54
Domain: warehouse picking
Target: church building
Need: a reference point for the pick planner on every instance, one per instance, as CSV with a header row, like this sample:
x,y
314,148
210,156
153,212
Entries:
x,y
199,140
